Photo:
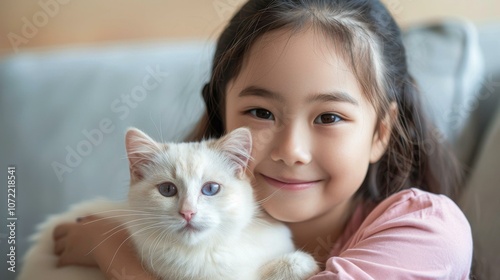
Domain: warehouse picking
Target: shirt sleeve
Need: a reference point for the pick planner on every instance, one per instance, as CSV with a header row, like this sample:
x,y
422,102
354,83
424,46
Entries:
x,y
410,235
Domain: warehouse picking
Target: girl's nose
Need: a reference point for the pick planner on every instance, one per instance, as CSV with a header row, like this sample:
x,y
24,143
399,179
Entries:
x,y
292,146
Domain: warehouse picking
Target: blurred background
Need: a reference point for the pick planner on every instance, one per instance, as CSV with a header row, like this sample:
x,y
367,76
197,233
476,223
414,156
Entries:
x,y
48,23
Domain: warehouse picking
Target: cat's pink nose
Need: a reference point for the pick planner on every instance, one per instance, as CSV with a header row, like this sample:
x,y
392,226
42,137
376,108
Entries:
x,y
188,214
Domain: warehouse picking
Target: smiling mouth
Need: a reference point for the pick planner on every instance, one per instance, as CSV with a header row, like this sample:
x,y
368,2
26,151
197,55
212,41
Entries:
x,y
289,184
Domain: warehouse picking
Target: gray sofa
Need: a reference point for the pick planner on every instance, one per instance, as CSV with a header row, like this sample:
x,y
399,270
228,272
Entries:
x,y
63,115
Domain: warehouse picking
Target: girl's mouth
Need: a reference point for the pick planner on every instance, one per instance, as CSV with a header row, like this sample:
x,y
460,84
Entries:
x,y
289,184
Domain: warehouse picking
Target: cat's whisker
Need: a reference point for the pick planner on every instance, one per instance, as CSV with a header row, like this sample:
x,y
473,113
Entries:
x,y
156,245
150,209
117,216
142,249
123,209
158,129
116,252
265,199
119,210
158,225
104,240
106,214
110,235
131,221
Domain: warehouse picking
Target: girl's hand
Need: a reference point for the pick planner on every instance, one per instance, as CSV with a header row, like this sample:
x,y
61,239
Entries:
x,y
99,241
83,242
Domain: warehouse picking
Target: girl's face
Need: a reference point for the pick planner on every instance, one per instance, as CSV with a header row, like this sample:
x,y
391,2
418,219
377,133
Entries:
x,y
313,130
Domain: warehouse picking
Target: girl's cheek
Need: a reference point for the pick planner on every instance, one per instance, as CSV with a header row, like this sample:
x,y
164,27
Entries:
x,y
262,140
261,146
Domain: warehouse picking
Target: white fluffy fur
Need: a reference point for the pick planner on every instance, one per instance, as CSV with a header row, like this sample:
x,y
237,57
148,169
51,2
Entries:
x,y
234,239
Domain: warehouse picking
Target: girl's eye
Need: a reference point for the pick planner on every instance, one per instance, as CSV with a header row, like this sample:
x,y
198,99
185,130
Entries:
x,y
262,114
210,189
167,189
327,119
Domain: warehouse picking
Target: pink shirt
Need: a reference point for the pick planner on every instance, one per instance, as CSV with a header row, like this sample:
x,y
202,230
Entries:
x,y
412,234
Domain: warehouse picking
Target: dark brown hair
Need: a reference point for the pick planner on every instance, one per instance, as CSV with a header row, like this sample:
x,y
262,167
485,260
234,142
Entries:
x,y
368,38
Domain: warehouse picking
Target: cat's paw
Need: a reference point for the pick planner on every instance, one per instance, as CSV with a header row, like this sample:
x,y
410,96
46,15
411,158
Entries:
x,y
293,266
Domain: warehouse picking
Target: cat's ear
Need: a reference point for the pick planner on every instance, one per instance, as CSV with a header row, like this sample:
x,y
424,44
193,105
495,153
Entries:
x,y
140,151
237,145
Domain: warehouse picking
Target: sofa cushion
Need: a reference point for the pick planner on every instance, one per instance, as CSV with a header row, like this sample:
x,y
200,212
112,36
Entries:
x,y
480,204
446,60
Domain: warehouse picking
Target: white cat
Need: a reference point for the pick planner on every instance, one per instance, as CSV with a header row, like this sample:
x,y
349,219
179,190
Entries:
x,y
191,214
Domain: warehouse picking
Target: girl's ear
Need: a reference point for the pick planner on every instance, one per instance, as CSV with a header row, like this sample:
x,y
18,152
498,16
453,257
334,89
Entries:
x,y
382,133
140,151
237,146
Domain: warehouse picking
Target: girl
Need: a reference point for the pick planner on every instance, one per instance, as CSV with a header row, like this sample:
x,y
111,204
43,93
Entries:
x,y
342,151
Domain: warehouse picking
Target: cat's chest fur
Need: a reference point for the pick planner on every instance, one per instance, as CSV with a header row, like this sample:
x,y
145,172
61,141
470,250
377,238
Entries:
x,y
235,257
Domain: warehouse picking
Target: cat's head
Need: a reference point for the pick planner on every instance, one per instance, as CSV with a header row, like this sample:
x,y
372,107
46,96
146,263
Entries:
x,y
190,191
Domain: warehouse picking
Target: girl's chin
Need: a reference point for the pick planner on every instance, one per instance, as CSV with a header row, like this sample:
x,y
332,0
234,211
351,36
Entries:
x,y
285,213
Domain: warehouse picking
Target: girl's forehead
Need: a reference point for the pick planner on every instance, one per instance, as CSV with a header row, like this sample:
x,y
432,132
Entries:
x,y
307,44
303,61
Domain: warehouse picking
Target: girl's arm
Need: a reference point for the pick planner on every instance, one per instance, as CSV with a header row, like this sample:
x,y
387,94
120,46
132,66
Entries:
x,y
83,243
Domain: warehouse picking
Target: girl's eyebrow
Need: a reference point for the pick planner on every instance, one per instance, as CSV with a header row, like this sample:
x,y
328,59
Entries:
x,y
332,96
257,91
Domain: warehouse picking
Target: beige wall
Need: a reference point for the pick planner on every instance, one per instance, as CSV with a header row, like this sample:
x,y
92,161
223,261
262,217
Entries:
x,y
44,23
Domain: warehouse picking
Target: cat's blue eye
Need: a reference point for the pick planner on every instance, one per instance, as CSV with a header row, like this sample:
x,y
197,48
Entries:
x,y
210,189
262,114
167,189
327,119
